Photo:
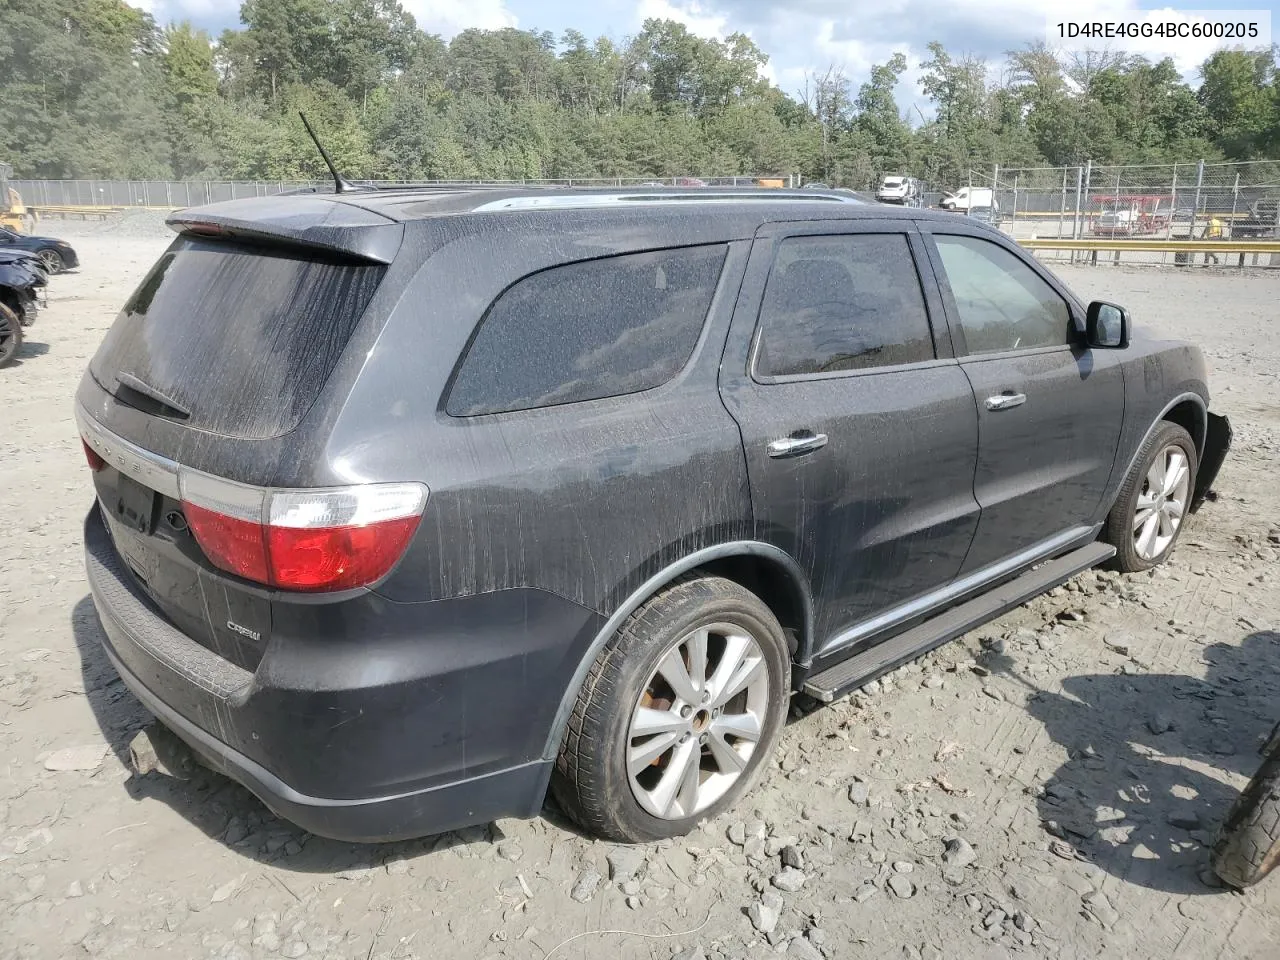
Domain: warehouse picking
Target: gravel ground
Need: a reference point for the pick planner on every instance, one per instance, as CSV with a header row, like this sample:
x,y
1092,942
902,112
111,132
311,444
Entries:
x,y
1044,787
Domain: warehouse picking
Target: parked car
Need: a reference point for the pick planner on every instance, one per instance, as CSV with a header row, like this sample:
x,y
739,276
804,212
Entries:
x,y
22,286
1116,222
690,182
411,503
898,189
56,255
1262,221
985,214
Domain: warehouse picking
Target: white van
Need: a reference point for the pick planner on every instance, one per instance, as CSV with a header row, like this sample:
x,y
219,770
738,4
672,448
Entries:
x,y
967,198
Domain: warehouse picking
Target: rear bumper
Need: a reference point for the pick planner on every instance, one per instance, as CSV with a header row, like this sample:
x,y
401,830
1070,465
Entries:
x,y
383,724
516,792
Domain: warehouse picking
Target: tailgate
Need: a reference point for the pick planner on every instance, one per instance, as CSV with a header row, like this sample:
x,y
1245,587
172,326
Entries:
x,y
137,493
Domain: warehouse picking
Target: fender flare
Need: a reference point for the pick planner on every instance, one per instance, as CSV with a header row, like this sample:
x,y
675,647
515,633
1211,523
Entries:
x,y
1159,418
737,548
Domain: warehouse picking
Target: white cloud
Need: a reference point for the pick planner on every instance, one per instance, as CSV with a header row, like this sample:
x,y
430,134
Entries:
x,y
700,20
811,35
167,11
450,17
445,17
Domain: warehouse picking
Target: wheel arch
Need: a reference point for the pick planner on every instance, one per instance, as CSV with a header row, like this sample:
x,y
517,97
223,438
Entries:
x,y
765,570
1192,415
1185,408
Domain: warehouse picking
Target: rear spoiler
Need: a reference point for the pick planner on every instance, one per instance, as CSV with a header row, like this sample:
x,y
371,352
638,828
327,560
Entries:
x,y
311,222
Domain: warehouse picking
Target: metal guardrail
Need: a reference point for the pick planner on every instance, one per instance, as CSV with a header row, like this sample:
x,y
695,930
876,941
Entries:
x,y
1156,251
1155,245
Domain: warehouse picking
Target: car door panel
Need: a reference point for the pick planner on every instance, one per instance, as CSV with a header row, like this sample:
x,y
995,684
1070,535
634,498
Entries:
x,y
1049,417
1043,465
883,511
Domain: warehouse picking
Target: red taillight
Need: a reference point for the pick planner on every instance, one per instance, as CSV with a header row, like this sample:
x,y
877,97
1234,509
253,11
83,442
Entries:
x,y
310,540
235,545
96,462
336,558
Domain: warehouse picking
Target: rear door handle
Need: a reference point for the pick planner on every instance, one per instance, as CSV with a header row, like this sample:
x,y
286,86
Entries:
x,y
1004,401
797,444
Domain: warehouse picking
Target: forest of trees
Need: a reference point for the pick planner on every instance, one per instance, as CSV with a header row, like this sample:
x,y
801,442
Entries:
x,y
95,88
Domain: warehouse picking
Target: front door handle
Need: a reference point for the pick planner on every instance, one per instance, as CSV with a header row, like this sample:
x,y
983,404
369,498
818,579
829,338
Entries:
x,y
1004,401
797,443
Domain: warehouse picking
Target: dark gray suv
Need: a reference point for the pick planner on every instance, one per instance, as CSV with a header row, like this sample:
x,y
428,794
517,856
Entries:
x,y
414,503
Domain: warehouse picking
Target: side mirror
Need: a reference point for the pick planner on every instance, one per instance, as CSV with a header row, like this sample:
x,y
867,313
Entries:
x,y
1107,326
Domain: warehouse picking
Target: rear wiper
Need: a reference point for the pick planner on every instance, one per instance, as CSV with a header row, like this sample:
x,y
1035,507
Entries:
x,y
167,406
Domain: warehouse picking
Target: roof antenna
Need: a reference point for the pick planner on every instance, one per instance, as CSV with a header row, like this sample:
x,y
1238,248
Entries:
x,y
340,183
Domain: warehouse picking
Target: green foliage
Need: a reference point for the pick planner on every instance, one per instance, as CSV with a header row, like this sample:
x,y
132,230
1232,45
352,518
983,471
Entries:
x,y
1241,98
94,88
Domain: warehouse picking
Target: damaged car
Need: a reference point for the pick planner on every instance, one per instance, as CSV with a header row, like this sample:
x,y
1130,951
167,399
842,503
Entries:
x,y
56,255
415,504
23,282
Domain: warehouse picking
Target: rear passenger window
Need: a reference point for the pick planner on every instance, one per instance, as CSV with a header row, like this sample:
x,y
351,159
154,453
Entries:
x,y
599,328
842,303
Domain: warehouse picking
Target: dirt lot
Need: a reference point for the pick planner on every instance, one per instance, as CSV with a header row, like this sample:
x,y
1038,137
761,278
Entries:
x,y
1044,787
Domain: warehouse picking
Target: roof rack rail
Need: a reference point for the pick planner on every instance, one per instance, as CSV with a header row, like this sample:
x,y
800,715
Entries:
x,y
692,195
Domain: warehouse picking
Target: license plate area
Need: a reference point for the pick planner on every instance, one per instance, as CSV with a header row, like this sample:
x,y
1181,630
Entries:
x,y
134,505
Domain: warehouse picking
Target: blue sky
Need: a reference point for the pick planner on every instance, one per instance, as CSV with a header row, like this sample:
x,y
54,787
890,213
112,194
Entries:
x,y
798,35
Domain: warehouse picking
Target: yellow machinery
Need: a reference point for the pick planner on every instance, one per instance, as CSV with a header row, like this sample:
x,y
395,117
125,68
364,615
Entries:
x,y
14,214
771,182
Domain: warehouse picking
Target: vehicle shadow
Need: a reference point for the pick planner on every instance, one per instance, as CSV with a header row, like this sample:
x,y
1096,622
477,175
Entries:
x,y
222,809
29,350
1151,757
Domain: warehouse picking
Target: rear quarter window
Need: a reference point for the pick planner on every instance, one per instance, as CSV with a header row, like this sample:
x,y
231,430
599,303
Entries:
x,y
583,331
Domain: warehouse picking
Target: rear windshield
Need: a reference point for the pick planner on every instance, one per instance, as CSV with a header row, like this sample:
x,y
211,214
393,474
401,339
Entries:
x,y
239,340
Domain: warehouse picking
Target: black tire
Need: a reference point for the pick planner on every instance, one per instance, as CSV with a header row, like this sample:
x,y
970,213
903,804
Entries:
x,y
1248,844
1119,526
590,781
52,259
10,335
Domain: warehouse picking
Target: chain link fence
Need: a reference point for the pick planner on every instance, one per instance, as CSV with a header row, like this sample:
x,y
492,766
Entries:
x,y
177,194
1169,202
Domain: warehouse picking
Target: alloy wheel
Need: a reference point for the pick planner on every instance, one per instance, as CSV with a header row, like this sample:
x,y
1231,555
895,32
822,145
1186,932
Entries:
x,y
698,721
1162,503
